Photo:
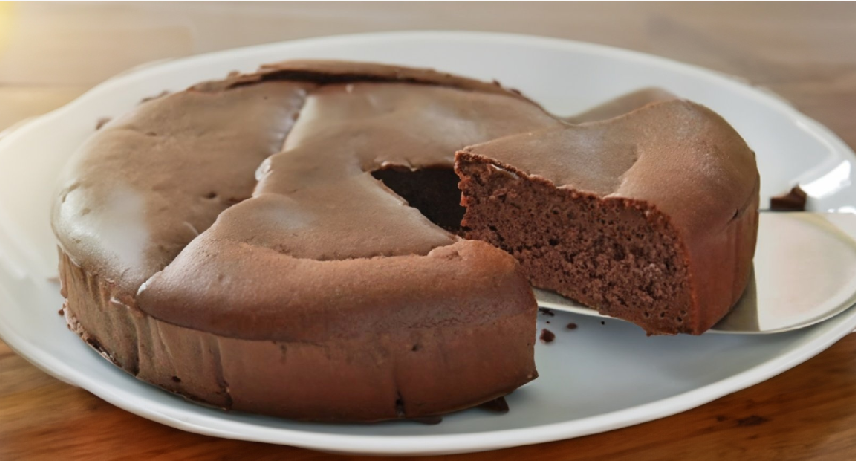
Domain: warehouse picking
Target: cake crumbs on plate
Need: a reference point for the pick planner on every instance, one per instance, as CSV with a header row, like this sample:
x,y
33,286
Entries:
x,y
547,336
498,405
794,200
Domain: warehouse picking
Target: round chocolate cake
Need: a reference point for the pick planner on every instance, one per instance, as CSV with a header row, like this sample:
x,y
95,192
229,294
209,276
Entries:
x,y
290,242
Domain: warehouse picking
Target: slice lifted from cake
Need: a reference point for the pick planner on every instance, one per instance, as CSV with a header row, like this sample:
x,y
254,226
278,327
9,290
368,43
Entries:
x,y
650,217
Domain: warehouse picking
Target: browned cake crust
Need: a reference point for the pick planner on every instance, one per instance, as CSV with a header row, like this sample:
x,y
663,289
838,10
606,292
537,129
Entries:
x,y
304,287
649,217
389,354
332,72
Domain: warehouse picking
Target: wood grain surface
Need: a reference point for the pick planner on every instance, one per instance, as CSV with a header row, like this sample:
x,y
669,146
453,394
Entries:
x,y
805,52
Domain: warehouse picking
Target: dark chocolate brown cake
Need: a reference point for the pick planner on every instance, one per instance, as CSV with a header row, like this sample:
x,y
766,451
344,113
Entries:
x,y
288,242
650,217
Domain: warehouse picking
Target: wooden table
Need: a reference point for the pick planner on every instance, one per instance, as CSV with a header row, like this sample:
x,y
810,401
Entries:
x,y
51,53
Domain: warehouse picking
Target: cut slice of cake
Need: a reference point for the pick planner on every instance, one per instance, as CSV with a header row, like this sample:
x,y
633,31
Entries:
x,y
650,217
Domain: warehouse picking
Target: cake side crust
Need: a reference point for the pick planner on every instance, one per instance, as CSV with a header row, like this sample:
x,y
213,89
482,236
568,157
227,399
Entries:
x,y
400,375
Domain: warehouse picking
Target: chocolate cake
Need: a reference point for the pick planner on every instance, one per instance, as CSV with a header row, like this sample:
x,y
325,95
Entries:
x,y
231,243
650,217
267,242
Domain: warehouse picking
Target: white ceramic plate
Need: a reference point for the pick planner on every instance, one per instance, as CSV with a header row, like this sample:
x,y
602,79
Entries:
x,y
595,378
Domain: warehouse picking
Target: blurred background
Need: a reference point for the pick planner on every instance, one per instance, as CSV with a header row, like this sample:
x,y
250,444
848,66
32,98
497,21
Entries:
x,y
51,53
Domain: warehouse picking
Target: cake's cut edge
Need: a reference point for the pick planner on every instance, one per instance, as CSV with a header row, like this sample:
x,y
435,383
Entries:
x,y
596,251
673,175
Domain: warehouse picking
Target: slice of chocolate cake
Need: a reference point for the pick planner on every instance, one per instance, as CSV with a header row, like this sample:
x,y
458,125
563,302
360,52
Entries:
x,y
650,217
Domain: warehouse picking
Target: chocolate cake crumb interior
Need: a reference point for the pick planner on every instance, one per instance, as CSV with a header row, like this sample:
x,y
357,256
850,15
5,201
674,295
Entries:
x,y
607,254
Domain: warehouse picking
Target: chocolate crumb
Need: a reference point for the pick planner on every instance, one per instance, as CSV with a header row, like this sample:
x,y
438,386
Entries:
x,y
62,311
545,311
101,122
496,405
547,336
794,200
548,321
602,322
572,326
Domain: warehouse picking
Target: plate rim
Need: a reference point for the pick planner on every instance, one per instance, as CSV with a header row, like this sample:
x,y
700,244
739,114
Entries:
x,y
451,443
